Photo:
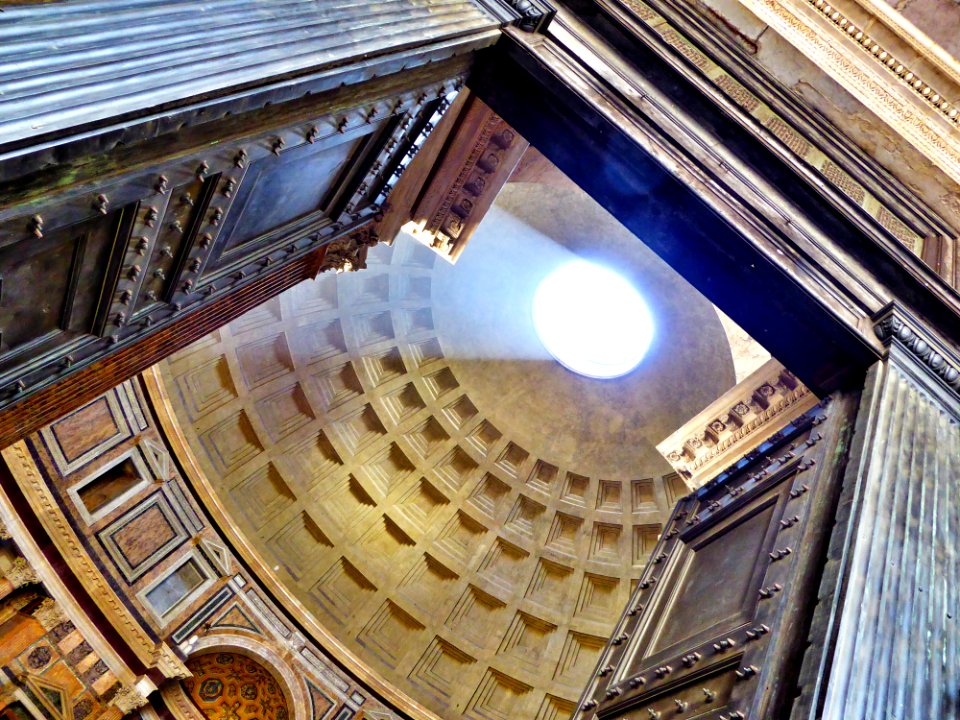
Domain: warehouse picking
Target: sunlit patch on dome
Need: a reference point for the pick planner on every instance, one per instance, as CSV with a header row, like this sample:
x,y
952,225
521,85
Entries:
x,y
592,320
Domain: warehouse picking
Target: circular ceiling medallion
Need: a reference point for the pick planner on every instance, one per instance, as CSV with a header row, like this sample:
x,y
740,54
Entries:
x,y
592,320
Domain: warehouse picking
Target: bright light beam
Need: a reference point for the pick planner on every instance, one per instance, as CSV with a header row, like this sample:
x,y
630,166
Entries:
x,y
592,320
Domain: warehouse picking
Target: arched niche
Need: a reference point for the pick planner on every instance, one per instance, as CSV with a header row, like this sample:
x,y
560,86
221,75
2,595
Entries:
x,y
227,671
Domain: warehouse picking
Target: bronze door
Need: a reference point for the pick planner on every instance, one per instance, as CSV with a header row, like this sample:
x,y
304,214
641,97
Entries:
x,y
717,624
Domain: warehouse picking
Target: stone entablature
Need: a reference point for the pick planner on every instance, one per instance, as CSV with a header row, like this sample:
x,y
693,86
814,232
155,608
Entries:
x,y
736,423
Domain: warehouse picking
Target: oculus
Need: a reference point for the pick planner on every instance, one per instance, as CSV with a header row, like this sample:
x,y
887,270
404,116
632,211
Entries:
x,y
592,320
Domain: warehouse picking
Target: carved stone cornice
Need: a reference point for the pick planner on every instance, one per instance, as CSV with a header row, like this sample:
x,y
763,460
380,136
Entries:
x,y
473,167
61,605
811,141
863,68
168,662
55,523
919,41
894,326
870,44
736,423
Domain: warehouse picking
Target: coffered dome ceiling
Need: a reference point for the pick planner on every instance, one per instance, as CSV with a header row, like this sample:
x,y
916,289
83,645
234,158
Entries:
x,y
463,513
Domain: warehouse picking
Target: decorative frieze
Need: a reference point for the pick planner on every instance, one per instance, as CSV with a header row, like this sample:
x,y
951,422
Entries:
x,y
736,423
913,108
780,125
925,90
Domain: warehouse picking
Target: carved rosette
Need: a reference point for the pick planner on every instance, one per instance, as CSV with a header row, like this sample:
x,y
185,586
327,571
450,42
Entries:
x,y
736,423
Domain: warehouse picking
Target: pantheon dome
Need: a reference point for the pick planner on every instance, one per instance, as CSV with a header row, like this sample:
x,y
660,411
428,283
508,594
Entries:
x,y
463,515
479,360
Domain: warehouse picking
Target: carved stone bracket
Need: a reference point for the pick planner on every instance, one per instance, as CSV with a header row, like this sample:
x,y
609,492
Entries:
x,y
49,614
528,15
21,573
476,162
128,699
349,253
894,326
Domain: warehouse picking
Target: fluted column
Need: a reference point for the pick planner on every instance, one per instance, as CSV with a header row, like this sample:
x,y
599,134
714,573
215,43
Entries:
x,y
896,647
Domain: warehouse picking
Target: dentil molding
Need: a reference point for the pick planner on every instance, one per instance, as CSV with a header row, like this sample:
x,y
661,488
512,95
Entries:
x,y
913,108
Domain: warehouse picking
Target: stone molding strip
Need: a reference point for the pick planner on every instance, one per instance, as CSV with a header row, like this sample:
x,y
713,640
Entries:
x,y
917,39
899,69
66,605
788,135
45,506
894,326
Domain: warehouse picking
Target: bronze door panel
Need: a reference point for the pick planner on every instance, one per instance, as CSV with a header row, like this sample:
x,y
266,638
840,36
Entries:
x,y
709,629
714,589
49,320
277,191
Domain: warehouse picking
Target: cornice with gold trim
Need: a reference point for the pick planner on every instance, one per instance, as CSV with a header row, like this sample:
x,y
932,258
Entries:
x,y
53,585
179,704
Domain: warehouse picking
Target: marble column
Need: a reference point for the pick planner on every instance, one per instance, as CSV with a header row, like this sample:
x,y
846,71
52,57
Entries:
x,y
890,597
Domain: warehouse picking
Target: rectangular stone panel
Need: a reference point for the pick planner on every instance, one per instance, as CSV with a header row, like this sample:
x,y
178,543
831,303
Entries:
x,y
139,539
